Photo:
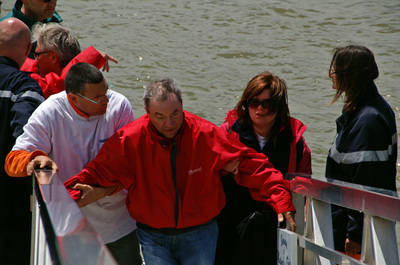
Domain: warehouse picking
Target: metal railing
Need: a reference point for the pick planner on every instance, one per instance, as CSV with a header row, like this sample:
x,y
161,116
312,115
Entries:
x,y
60,232
313,241
62,235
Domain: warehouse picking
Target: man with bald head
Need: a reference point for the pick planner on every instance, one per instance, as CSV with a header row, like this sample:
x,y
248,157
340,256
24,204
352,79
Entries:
x,y
20,95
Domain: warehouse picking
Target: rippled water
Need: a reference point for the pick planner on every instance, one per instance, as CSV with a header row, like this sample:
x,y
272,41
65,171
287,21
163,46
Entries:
x,y
213,48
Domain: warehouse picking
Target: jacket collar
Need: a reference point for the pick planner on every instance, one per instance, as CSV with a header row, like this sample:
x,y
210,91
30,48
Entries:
x,y
297,127
8,61
372,93
246,133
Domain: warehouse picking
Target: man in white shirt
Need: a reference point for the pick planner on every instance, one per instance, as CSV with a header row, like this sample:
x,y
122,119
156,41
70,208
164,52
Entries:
x,y
69,128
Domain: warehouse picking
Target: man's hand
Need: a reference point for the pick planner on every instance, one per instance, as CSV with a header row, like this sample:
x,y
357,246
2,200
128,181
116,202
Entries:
x,y
232,166
351,247
288,216
42,162
106,66
91,194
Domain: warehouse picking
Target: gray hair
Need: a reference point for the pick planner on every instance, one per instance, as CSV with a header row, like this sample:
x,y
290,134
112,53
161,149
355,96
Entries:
x,y
57,38
160,89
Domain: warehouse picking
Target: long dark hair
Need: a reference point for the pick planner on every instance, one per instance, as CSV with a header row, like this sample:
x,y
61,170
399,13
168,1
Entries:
x,y
355,68
279,101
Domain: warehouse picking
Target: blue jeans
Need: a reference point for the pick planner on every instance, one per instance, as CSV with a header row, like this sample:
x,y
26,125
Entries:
x,y
194,247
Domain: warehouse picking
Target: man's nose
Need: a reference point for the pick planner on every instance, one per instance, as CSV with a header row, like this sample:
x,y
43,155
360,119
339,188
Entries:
x,y
170,122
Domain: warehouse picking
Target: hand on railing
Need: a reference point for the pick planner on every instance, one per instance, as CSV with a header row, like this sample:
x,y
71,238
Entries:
x,y
41,162
288,216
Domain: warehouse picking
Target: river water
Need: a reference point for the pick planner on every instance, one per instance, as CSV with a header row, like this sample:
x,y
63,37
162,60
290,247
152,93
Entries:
x,y
213,48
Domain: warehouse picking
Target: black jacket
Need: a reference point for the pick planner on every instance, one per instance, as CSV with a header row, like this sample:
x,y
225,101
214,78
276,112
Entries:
x,y
364,152
20,95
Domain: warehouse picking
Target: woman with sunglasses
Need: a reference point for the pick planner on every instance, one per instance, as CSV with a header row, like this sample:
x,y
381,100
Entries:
x,y
364,150
261,121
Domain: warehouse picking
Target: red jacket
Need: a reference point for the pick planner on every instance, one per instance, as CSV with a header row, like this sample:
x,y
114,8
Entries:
x,y
138,159
52,83
298,129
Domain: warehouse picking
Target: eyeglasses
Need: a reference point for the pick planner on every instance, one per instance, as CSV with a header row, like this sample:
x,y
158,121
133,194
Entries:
x,y
95,102
255,102
36,54
332,71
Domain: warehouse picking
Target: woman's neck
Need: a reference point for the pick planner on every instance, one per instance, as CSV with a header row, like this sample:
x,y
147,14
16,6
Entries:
x,y
262,131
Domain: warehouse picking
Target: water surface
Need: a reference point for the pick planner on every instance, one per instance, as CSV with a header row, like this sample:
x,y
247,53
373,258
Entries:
x,y
213,48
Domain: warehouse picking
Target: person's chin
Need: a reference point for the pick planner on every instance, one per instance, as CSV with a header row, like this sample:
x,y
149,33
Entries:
x,y
169,134
49,13
102,112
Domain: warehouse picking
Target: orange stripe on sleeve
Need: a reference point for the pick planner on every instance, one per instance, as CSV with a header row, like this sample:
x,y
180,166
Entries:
x,y
17,161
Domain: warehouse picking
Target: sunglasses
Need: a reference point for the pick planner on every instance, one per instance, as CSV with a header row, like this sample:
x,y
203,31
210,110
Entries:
x,y
255,102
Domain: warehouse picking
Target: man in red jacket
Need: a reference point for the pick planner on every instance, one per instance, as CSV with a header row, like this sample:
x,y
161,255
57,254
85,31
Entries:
x,y
171,161
56,51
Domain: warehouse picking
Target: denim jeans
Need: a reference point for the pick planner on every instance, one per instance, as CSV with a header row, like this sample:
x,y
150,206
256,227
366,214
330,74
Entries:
x,y
196,247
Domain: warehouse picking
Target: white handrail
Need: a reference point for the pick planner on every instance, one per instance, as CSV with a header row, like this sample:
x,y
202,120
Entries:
x,y
313,241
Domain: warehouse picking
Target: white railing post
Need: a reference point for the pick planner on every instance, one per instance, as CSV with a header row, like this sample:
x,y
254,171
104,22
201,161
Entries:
x,y
322,227
383,237
367,255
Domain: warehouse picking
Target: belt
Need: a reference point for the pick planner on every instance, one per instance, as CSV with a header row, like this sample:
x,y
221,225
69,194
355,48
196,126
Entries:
x,y
171,231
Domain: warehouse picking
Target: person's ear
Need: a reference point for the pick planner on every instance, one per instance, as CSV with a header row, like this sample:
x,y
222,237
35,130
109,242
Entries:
x,y
55,59
28,49
72,97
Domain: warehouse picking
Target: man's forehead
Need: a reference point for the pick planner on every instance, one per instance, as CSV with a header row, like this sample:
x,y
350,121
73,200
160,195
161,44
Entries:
x,y
96,88
165,107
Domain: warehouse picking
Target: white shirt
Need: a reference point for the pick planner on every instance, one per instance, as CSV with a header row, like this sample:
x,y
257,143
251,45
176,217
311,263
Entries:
x,y
261,140
72,141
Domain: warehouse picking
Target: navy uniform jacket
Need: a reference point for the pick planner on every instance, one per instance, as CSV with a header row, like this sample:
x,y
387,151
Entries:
x,y
20,95
364,152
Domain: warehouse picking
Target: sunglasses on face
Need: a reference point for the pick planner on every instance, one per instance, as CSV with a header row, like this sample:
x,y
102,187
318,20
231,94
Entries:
x,y
255,102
